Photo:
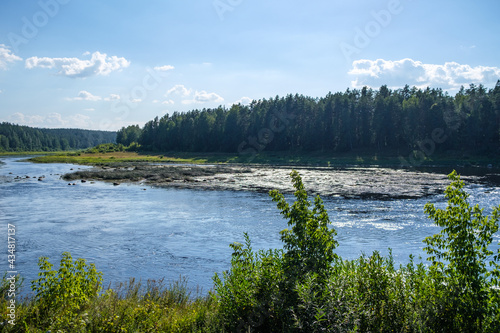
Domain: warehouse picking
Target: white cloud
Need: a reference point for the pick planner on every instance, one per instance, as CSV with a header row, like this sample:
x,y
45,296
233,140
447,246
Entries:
x,y
98,64
55,119
450,75
244,101
80,121
178,89
122,99
52,120
85,96
163,68
204,97
21,119
112,97
190,97
168,102
89,110
7,57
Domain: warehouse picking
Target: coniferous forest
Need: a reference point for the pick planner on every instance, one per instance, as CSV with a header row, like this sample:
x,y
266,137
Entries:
x,y
398,121
401,121
23,138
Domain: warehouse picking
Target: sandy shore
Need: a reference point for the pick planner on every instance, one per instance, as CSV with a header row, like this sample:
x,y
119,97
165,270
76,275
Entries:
x,y
377,183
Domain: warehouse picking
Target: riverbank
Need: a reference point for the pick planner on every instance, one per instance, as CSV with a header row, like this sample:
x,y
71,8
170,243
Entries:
x,y
318,159
114,158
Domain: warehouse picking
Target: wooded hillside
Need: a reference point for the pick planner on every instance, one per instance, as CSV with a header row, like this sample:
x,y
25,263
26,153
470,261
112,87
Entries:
x,y
23,138
402,120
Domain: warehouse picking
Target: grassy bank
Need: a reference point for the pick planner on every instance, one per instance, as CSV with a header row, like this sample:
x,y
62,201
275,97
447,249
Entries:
x,y
114,158
322,159
135,306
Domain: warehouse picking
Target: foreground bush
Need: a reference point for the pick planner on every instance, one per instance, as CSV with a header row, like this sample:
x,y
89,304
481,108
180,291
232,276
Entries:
x,y
68,300
61,296
307,288
460,256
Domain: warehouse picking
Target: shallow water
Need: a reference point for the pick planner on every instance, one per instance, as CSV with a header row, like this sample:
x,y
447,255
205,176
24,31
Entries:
x,y
150,233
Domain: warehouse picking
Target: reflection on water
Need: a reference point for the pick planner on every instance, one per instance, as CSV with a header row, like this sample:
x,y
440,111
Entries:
x,y
133,231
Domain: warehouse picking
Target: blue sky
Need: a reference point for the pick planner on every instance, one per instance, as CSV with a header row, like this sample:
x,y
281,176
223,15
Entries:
x,y
107,64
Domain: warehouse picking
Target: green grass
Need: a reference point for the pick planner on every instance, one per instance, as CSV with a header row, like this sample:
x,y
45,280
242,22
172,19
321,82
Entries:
x,y
113,158
321,159
135,306
113,154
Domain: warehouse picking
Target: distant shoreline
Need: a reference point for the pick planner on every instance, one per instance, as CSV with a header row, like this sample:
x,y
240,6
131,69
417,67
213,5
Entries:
x,y
316,159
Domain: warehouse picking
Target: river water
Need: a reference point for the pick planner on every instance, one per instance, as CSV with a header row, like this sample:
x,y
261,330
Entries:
x,y
152,233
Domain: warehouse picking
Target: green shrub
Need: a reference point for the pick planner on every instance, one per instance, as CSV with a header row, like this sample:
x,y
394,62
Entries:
x,y
459,255
308,250
367,294
106,148
61,296
260,291
134,146
309,244
248,294
307,288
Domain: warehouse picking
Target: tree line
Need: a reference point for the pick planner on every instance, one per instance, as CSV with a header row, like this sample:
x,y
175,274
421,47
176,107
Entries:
x,y
401,120
23,138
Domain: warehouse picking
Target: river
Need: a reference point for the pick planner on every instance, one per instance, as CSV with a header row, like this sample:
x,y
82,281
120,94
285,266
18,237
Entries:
x,y
152,233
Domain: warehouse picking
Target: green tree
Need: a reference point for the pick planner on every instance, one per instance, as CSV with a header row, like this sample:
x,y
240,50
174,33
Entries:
x,y
4,142
62,295
310,242
127,135
248,293
261,290
459,254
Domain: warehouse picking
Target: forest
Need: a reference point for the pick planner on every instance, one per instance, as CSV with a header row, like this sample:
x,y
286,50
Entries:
x,y
402,121
23,138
